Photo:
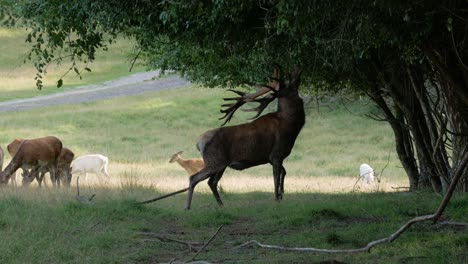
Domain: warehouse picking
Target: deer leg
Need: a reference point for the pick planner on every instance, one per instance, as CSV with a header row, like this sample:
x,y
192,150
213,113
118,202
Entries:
x,y
39,178
283,175
277,180
29,176
58,177
213,183
54,178
194,180
13,178
104,170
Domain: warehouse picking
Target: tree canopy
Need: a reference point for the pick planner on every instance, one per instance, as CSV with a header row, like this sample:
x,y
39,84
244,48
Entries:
x,y
409,57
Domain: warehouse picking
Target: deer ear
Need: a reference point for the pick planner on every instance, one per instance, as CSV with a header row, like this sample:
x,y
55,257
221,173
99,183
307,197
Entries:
x,y
296,73
180,152
296,77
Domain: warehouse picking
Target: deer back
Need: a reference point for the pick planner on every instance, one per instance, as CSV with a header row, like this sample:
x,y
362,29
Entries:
x,y
66,156
13,146
46,149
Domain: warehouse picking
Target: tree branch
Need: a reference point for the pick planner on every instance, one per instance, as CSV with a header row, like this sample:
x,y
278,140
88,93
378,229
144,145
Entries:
x,y
455,179
134,60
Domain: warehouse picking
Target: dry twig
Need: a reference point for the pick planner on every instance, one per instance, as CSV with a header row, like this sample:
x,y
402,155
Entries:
x,y
164,196
462,224
82,199
206,244
192,245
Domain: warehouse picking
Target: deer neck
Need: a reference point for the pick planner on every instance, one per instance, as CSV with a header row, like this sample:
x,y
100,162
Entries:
x,y
9,170
292,108
182,162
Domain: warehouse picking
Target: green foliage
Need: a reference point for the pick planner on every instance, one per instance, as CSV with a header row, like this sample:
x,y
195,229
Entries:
x,y
225,42
18,77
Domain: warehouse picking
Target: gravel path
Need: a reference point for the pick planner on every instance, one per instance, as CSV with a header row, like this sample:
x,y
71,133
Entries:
x,y
131,85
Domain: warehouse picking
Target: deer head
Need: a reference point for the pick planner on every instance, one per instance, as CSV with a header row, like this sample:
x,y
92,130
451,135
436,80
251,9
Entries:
x,y
270,91
175,157
28,177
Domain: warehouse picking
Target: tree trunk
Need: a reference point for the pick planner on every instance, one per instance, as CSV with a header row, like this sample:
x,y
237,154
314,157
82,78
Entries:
x,y
402,138
452,76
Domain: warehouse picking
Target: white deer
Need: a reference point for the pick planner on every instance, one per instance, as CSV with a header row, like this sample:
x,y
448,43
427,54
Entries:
x,y
92,163
366,173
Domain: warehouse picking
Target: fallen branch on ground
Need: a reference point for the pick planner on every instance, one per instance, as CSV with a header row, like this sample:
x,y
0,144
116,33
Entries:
x,y
206,244
175,261
434,217
454,223
164,196
193,246
367,248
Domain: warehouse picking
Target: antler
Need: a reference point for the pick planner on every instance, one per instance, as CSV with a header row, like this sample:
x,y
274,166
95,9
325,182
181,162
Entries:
x,y
231,108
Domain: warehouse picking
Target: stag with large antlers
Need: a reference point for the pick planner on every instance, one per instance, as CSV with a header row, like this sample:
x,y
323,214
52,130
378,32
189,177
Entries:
x,y
268,139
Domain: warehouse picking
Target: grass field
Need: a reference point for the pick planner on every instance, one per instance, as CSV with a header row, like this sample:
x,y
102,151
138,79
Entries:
x,y
140,133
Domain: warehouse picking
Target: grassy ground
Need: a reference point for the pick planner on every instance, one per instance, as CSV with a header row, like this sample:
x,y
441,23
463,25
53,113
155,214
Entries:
x,y
140,133
18,77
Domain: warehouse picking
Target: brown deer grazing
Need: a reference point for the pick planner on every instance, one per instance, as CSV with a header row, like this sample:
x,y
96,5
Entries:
x,y
64,165
35,154
268,139
192,166
63,170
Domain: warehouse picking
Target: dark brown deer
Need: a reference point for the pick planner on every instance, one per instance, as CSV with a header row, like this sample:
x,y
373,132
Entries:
x,y
268,139
35,155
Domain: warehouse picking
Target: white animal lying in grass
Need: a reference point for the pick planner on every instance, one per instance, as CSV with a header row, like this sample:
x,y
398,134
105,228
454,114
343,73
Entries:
x,y
367,173
92,163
